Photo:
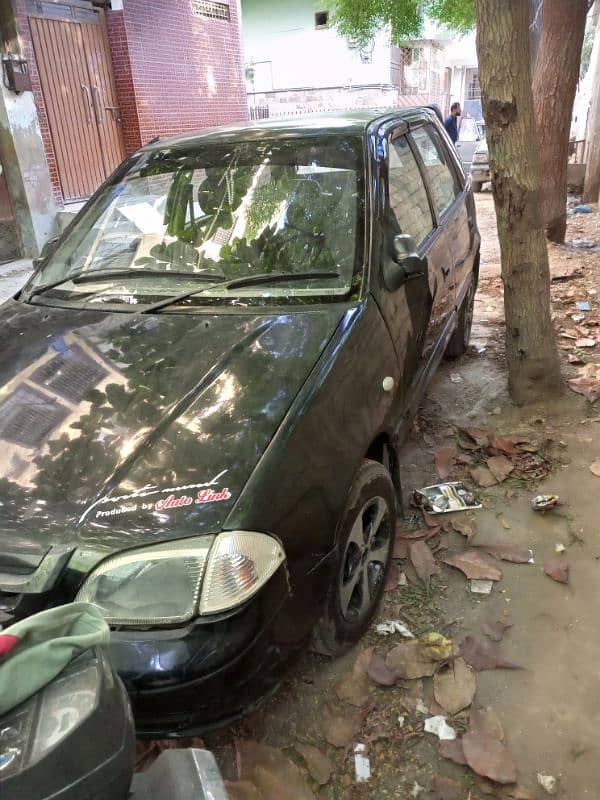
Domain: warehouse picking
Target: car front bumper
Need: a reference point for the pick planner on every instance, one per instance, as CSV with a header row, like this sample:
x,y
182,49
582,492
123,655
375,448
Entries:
x,y
186,681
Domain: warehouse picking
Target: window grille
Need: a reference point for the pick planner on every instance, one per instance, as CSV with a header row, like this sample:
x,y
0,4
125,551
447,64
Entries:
x,y
208,8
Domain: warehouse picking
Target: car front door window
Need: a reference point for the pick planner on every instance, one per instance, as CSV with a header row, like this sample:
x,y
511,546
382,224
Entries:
x,y
443,185
407,195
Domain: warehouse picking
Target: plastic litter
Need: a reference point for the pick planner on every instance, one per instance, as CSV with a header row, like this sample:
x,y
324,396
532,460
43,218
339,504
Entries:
x,y
481,587
445,497
584,305
455,377
583,244
362,765
394,626
545,502
548,783
439,727
401,720
559,548
577,317
582,208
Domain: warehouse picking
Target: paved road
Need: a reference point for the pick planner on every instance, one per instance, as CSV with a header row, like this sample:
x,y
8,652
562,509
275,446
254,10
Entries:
x,y
13,276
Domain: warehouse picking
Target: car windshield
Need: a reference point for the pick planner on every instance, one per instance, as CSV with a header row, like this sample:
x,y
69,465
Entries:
x,y
195,220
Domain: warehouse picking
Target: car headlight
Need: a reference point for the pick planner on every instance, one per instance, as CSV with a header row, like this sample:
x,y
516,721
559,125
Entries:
x,y
158,585
171,583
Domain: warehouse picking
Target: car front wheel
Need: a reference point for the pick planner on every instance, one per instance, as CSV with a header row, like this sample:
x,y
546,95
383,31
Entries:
x,y
364,555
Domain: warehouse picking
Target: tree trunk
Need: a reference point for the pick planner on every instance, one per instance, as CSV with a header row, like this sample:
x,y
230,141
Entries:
x,y
591,188
503,50
554,85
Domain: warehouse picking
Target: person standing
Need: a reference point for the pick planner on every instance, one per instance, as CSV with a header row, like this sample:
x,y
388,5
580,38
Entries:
x,y
451,123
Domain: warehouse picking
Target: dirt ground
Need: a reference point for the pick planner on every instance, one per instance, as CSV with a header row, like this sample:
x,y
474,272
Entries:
x,y
549,709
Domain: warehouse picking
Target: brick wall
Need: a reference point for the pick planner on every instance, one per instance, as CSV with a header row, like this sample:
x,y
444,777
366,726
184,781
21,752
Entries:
x,y
186,70
119,51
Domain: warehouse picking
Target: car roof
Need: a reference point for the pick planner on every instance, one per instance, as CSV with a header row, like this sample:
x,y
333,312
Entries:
x,y
350,122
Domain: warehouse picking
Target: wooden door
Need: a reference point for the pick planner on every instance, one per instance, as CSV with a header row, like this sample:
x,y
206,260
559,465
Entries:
x,y
75,74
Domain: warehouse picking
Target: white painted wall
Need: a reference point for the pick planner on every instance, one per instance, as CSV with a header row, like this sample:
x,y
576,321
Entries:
x,y
288,52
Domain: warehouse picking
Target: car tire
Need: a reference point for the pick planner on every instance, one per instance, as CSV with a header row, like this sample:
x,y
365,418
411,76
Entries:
x,y
365,546
459,340
477,186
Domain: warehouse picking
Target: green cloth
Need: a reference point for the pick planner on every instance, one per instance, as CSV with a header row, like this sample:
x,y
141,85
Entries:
x,y
48,642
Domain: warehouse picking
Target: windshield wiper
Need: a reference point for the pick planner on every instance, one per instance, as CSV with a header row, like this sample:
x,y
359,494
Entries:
x,y
90,276
234,283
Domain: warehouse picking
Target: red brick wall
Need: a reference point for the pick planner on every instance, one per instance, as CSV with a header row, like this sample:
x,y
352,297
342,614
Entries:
x,y
25,35
186,70
119,51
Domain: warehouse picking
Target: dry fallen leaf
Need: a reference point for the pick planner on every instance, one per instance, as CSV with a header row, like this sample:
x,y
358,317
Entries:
x,y
420,657
557,569
483,477
454,686
393,578
495,630
506,444
485,722
447,788
489,758
474,565
379,671
242,790
453,750
460,525
507,551
319,766
340,726
444,461
480,436
500,467
482,654
274,775
423,561
585,343
574,359
595,467
355,687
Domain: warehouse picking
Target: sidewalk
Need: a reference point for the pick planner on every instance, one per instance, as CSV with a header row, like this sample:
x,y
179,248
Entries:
x,y
13,275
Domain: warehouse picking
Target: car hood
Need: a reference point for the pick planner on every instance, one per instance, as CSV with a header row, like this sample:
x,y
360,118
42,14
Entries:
x,y
117,429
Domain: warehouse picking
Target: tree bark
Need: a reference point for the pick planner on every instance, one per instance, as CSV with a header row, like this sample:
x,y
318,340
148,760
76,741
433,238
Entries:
x,y
503,50
591,188
554,85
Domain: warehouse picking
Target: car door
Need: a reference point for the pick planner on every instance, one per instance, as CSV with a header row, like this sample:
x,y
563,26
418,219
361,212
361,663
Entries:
x,y
451,203
405,209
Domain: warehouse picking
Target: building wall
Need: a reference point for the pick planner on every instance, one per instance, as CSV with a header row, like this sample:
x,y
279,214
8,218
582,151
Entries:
x,y
288,52
186,71
174,72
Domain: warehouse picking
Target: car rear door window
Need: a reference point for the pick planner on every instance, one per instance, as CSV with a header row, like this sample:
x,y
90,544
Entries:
x,y
408,197
443,185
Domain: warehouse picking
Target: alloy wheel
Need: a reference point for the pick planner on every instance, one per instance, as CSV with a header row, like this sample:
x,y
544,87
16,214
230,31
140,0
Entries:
x,y
364,560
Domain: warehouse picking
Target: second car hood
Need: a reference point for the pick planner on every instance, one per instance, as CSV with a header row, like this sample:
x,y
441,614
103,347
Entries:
x,y
120,428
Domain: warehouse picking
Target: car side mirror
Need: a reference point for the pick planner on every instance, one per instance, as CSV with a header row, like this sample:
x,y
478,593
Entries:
x,y
47,250
405,264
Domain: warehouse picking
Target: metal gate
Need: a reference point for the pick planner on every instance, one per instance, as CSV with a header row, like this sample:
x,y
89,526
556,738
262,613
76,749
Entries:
x,y
73,59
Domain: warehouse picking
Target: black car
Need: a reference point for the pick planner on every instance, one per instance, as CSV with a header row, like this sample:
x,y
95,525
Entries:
x,y
202,391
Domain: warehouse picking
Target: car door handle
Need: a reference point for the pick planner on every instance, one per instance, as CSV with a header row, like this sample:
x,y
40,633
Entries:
x,y
445,272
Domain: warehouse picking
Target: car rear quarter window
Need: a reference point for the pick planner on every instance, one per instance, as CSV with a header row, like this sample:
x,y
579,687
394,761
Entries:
x,y
443,185
408,198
